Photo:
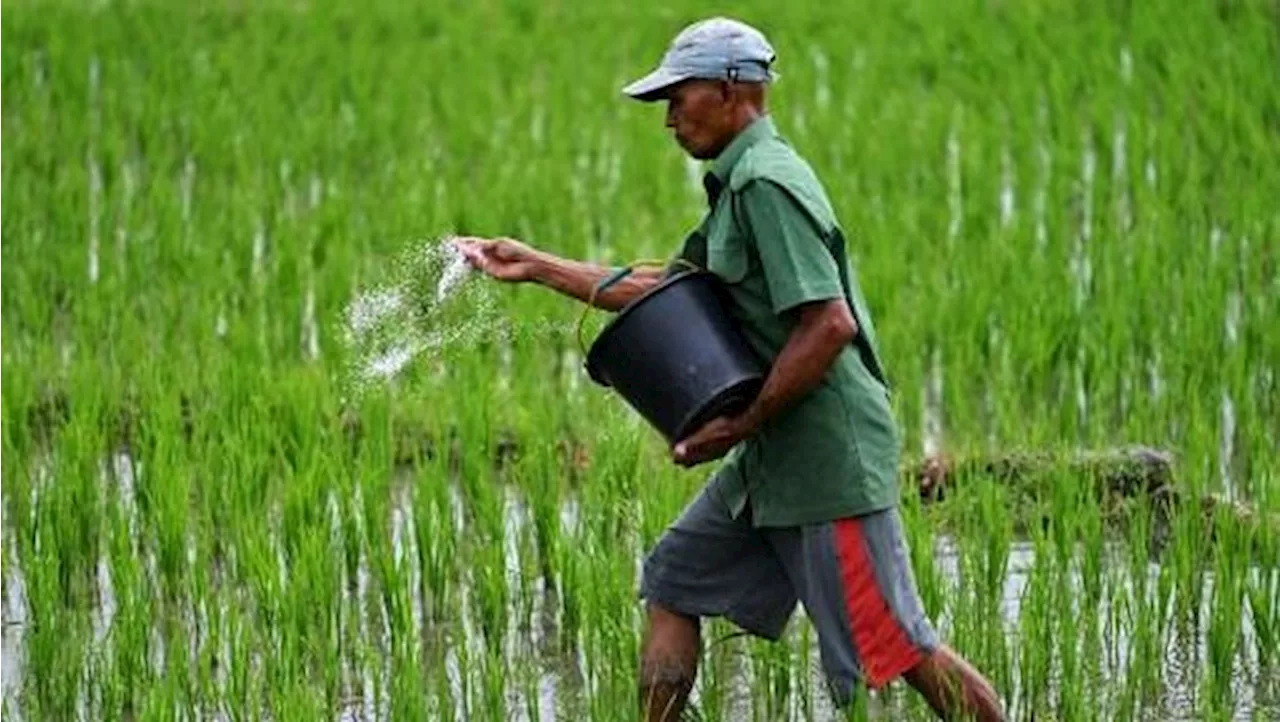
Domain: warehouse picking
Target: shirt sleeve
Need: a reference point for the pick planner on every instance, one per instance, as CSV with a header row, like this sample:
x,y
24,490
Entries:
x,y
798,266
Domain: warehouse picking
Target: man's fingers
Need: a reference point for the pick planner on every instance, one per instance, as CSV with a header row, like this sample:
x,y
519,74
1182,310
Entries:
x,y
479,252
689,462
468,247
501,258
687,454
487,253
477,259
472,244
680,454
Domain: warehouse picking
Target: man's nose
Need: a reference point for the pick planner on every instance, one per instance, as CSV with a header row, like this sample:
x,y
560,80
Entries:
x,y
671,116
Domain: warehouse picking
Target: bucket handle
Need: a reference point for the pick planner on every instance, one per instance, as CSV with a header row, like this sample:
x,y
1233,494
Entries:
x,y
612,280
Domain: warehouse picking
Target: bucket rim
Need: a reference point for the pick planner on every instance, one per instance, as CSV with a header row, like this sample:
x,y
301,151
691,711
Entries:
x,y
593,354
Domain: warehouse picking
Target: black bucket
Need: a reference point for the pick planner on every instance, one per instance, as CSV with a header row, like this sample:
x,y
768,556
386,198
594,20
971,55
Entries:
x,y
677,357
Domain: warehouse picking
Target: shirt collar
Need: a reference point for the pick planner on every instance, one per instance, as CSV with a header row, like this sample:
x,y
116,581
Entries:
x,y
717,177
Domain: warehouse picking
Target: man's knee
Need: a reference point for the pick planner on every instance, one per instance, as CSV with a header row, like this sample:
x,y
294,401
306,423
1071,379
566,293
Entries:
x,y
666,621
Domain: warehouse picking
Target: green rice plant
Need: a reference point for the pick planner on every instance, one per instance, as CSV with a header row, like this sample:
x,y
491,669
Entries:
x,y
296,701
611,622
1094,563
917,526
443,698
542,479
993,569
1037,632
244,689
1189,558
1226,610
528,583
858,709
492,702
1263,596
437,543
771,666
311,609
408,695
131,671
721,653
490,595
54,664
571,586
1138,615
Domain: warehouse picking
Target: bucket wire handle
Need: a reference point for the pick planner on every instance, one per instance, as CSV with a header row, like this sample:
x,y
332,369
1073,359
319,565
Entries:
x,y
612,280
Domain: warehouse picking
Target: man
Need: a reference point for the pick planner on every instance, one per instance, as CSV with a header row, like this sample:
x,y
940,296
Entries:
x,y
804,507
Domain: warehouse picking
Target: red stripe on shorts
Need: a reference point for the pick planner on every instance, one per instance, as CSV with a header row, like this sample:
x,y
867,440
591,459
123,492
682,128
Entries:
x,y
883,647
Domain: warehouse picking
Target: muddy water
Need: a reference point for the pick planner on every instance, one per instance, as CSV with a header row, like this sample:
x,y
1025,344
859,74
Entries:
x,y
15,629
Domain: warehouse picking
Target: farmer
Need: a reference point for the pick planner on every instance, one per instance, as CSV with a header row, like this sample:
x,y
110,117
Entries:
x,y
804,507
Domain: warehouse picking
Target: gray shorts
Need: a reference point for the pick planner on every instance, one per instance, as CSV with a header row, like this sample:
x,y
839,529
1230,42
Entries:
x,y
852,575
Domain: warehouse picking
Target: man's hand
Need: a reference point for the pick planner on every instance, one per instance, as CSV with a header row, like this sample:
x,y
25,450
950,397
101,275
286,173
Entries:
x,y
713,440
505,259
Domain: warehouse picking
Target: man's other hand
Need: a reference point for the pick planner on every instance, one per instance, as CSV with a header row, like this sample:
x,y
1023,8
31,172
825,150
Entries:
x,y
712,441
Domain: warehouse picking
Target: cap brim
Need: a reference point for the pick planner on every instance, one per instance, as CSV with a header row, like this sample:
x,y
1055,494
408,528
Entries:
x,y
655,85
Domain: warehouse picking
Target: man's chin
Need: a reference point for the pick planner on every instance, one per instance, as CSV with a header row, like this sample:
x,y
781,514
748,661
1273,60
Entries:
x,y
696,153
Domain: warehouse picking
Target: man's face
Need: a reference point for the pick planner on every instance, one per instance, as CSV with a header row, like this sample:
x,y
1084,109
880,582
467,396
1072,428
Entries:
x,y
700,113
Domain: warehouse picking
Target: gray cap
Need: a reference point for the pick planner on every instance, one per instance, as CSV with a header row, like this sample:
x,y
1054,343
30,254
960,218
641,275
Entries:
x,y
715,49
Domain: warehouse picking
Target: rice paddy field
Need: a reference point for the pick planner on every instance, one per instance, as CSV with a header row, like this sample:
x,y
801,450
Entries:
x,y
224,499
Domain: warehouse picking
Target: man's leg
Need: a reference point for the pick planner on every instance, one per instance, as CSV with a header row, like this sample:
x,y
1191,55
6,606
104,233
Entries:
x,y
855,579
668,663
953,688
707,564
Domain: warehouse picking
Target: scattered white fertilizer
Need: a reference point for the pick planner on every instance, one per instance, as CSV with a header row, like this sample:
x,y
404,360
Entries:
x,y
386,327
425,304
368,309
454,273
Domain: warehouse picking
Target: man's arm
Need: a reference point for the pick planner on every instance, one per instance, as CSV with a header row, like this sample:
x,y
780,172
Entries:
x,y
577,280
512,261
824,328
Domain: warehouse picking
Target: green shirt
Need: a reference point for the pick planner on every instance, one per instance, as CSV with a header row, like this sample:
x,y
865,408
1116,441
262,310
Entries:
x,y
771,236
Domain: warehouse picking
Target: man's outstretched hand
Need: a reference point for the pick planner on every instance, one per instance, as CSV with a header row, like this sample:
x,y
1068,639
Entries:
x,y
505,259
713,440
